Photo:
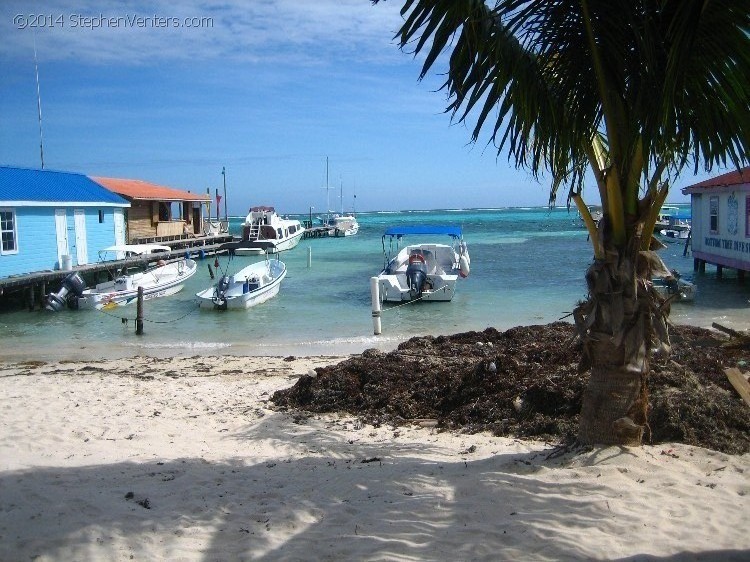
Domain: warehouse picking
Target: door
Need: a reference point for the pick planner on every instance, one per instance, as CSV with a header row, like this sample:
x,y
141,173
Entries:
x,y
82,251
119,228
61,231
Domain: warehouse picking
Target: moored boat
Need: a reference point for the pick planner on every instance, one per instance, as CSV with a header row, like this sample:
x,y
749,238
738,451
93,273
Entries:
x,y
345,225
160,280
264,231
425,270
250,286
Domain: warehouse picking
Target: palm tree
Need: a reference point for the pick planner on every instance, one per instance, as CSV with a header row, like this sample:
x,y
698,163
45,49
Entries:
x,y
633,91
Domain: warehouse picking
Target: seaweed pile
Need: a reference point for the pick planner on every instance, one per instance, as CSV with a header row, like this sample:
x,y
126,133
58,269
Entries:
x,y
524,383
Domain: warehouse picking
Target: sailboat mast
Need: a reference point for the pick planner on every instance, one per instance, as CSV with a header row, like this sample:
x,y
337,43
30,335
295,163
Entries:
x,y
224,175
328,190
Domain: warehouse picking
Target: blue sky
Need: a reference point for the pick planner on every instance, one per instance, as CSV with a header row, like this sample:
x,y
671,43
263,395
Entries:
x,y
267,88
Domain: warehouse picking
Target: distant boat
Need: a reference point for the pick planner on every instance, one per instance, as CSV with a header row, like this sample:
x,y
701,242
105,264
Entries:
x,y
422,271
675,233
248,287
596,216
264,231
672,218
344,224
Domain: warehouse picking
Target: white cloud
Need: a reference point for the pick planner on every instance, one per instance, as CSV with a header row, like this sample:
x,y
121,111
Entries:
x,y
134,32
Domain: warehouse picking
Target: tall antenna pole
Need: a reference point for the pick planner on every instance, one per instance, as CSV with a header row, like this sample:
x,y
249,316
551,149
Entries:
x,y
39,105
224,173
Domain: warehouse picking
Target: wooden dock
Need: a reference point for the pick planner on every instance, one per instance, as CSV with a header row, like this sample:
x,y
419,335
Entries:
x,y
320,231
32,288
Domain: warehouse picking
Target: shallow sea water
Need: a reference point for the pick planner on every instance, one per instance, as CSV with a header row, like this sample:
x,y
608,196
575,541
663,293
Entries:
x,y
527,267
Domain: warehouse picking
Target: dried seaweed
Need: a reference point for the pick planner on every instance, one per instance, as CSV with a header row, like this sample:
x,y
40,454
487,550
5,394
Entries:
x,y
524,382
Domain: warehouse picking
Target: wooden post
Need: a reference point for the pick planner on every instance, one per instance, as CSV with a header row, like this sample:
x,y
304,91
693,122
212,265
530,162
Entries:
x,y
375,295
43,295
210,271
687,241
32,304
139,314
309,257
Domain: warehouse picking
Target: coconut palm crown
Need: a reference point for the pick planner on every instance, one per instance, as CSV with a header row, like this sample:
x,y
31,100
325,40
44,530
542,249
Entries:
x,y
633,91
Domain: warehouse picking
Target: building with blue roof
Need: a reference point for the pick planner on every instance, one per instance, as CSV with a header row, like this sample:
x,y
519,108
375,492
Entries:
x,y
51,220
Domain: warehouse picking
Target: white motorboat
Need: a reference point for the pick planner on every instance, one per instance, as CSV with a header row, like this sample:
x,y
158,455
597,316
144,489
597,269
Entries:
x,y
422,271
345,225
264,231
160,280
676,233
251,285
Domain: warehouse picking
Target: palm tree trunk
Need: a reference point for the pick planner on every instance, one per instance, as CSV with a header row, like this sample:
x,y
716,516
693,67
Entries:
x,y
616,327
615,401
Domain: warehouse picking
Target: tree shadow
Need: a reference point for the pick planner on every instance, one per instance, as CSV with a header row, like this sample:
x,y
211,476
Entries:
x,y
318,496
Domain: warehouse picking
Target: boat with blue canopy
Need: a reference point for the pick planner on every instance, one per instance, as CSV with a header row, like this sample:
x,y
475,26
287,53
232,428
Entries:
x,y
424,270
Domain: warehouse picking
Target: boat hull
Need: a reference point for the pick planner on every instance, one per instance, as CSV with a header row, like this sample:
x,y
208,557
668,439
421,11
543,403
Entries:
x,y
395,288
157,282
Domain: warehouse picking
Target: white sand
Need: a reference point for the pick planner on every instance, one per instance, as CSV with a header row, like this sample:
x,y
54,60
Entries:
x,y
225,477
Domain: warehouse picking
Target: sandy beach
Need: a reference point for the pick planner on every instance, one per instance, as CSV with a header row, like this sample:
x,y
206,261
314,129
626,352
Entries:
x,y
186,459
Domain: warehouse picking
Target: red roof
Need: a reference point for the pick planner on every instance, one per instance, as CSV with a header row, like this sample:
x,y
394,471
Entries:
x,y
738,177
138,189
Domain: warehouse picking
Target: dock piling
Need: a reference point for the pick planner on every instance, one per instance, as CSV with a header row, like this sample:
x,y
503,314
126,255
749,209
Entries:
x,y
375,295
139,314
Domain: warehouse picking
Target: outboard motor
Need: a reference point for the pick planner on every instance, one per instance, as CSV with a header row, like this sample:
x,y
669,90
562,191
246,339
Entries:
x,y
416,275
72,285
220,299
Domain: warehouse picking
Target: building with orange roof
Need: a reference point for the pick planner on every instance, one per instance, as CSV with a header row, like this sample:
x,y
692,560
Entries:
x,y
158,213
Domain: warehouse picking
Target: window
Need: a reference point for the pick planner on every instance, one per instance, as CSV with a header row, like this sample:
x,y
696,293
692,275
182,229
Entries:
x,y
8,234
101,216
713,204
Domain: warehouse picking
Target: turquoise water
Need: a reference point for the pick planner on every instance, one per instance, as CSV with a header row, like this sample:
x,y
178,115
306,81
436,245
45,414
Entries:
x,y
527,267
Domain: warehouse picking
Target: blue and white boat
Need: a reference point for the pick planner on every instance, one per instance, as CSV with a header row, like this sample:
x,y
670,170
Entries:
x,y
248,287
423,270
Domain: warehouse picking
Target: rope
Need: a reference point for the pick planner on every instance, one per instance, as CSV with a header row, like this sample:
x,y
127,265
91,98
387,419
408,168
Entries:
x,y
395,306
125,320
174,319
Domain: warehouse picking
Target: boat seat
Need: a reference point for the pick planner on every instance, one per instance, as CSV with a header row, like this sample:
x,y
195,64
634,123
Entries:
x,y
429,261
